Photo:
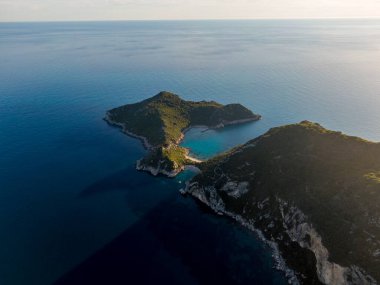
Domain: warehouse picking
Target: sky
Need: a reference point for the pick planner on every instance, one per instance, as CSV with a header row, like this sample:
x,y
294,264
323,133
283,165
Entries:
x,y
68,10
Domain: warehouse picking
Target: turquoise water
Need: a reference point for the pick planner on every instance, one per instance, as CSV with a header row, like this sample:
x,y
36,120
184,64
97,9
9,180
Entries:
x,y
67,181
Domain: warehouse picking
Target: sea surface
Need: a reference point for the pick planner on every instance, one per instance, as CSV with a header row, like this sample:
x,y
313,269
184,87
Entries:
x,y
71,202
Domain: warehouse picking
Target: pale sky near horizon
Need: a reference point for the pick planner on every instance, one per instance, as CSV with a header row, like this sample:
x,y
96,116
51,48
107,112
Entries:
x,y
68,10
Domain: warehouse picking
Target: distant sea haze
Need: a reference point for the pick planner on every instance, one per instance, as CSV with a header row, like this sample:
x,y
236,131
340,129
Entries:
x,y
68,187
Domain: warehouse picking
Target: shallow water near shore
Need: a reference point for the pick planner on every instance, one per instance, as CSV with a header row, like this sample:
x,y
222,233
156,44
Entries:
x,y
68,184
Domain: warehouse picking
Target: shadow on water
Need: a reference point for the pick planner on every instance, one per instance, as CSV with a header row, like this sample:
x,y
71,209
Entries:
x,y
175,243
175,240
118,181
142,191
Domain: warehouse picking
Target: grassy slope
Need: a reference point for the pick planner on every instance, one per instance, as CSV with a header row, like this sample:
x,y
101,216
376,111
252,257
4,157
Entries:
x,y
331,177
162,118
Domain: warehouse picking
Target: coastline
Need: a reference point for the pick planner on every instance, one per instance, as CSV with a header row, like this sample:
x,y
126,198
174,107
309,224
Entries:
x,y
219,126
206,128
157,170
193,159
143,139
280,263
236,122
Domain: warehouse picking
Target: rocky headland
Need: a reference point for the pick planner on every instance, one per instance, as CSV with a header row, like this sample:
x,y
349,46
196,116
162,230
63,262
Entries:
x,y
311,194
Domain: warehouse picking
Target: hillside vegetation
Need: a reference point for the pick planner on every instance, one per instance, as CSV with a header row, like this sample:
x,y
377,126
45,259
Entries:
x,y
298,175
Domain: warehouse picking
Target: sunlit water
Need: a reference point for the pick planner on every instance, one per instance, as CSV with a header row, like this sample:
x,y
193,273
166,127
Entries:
x,y
67,179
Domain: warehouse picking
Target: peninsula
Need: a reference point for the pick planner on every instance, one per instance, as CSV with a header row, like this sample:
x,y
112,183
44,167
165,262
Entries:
x,y
161,121
312,194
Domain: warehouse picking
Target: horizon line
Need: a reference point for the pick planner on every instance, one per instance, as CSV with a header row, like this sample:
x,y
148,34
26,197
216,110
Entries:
x,y
189,20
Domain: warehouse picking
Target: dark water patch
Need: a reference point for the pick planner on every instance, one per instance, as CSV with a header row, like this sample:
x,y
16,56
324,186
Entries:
x,y
175,243
141,191
119,181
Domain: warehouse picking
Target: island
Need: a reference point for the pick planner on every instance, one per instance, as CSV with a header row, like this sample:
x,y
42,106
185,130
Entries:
x,y
311,194
161,121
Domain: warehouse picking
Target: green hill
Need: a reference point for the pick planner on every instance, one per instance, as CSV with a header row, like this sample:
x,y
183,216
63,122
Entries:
x,y
314,194
161,120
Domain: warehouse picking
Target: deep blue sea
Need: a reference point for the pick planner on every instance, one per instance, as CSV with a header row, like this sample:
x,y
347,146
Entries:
x,y
69,193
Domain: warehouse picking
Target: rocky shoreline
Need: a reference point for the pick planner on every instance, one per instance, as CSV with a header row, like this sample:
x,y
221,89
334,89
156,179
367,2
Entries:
x,y
218,207
284,234
158,170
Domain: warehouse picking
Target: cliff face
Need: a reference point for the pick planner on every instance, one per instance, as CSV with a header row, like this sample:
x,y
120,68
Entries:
x,y
314,196
160,122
